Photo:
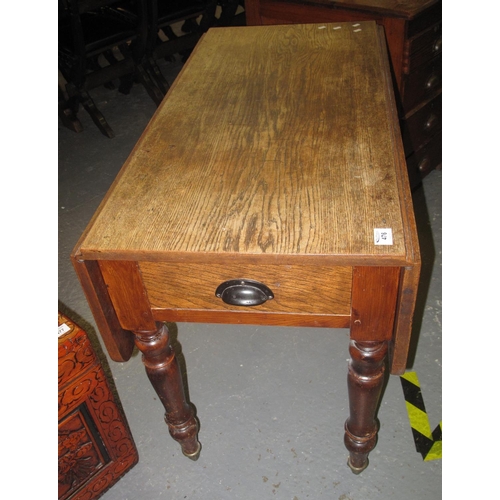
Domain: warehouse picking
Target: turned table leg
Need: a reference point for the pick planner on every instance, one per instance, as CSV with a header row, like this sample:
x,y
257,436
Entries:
x,y
164,374
130,301
374,299
365,380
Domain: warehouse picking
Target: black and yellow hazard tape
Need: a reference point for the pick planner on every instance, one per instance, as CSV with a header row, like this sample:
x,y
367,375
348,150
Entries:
x,y
428,443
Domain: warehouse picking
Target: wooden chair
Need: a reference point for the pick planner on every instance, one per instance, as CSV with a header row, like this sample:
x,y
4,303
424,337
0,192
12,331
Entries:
x,y
228,13
174,27
195,17
99,42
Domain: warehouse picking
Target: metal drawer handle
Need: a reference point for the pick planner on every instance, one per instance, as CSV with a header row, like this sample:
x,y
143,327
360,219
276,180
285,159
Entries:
x,y
243,292
424,164
437,45
432,82
431,122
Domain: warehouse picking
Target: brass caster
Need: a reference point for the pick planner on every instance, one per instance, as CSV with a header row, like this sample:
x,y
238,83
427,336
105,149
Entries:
x,y
356,470
195,455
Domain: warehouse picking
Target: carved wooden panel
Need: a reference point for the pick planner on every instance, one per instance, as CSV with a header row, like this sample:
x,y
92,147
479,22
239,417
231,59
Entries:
x,y
80,453
95,444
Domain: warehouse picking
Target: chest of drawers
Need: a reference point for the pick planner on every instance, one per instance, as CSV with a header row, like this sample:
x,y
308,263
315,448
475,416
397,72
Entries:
x,y
413,34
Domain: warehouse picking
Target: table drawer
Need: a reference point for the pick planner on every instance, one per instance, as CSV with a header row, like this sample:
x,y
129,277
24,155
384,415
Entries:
x,y
321,290
422,83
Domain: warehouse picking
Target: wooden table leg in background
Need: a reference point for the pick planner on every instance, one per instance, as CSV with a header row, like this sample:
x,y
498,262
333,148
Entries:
x,y
374,297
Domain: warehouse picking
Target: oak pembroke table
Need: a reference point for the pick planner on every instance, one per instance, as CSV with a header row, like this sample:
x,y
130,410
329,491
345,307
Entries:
x,y
270,187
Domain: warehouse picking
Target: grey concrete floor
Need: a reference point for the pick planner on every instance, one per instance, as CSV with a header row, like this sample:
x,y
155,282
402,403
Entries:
x,y
272,401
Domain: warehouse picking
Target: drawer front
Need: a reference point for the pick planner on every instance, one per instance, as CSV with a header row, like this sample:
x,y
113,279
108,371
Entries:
x,y
315,290
424,48
424,160
425,19
420,127
424,82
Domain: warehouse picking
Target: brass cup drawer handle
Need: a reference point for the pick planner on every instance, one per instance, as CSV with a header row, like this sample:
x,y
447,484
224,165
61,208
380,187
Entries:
x,y
436,46
424,164
243,292
431,122
432,82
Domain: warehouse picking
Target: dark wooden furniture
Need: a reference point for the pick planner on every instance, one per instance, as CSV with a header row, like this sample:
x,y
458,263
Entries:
x,y
413,33
194,18
272,190
103,41
90,31
164,13
95,444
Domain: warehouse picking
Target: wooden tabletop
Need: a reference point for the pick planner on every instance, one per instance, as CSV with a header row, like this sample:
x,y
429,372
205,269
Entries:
x,y
275,142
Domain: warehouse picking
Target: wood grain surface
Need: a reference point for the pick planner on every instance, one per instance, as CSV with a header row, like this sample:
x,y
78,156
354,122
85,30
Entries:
x,y
273,143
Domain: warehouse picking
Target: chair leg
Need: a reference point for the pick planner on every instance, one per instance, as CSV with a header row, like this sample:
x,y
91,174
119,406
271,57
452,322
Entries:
x,y
169,32
127,80
142,75
95,114
67,112
156,75
149,84
126,83
190,26
228,12
111,59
